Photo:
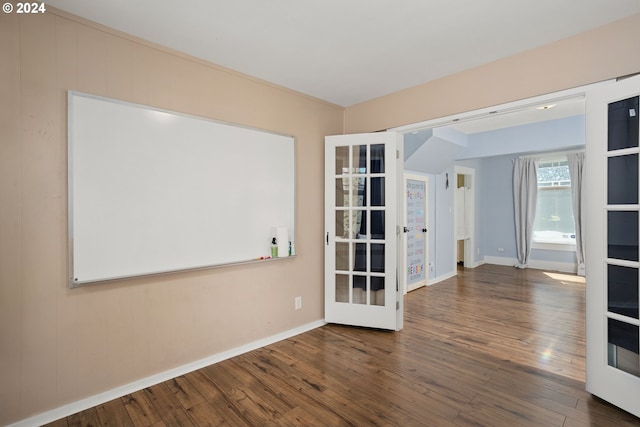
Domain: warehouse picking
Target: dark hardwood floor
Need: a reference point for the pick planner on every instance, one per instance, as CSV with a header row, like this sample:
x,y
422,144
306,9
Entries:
x,y
495,346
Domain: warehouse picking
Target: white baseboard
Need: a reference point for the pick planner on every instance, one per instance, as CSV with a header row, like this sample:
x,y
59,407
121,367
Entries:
x,y
452,274
477,264
441,278
98,399
565,267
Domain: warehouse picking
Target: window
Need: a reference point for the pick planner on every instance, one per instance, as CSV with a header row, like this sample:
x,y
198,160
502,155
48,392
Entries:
x,y
553,222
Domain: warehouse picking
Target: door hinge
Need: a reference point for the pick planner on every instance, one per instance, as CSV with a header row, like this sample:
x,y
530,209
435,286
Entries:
x,y
397,305
397,154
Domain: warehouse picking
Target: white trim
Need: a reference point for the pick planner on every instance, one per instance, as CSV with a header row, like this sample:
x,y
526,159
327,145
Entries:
x,y
547,156
506,108
565,267
452,274
100,398
552,246
476,264
441,278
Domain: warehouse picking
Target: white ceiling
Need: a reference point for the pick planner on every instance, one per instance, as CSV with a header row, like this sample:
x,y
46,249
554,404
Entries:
x,y
349,51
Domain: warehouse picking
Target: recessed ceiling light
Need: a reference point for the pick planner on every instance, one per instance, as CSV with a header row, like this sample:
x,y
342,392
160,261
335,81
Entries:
x,y
545,107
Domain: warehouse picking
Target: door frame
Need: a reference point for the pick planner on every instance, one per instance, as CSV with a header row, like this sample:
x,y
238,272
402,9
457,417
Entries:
x,y
499,109
470,213
502,109
491,111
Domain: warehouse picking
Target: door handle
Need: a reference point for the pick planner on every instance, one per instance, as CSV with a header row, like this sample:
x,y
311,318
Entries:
x,y
424,230
405,229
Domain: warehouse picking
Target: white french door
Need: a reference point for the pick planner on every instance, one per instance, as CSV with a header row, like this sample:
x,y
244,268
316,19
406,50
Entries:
x,y
361,230
612,206
415,232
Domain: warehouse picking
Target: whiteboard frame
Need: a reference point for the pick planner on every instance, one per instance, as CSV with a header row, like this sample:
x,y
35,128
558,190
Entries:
x,y
74,282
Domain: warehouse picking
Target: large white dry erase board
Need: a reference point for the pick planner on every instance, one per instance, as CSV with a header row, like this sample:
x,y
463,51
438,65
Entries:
x,y
153,191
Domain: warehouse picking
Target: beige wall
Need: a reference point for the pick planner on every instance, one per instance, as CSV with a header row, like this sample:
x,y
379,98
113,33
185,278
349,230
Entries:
x,y
58,345
607,52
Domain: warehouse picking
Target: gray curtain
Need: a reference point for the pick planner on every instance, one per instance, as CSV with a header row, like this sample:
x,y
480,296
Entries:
x,y
576,165
525,193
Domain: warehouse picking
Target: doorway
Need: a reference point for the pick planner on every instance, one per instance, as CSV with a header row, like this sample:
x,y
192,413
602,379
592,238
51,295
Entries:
x,y
464,217
483,246
611,373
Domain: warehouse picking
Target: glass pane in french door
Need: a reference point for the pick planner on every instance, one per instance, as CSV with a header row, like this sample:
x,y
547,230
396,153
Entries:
x,y
623,235
360,224
620,189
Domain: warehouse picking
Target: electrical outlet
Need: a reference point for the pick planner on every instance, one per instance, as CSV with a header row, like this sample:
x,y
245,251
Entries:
x,y
298,303
500,249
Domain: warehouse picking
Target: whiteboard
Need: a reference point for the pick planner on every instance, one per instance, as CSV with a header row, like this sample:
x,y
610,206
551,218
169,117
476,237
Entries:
x,y
154,191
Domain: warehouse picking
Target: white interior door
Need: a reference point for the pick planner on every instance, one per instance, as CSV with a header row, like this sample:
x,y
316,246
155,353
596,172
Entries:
x,y
461,217
415,231
361,230
612,236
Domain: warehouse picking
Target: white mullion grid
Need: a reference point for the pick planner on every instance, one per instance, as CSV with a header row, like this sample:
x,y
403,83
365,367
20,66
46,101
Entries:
x,y
622,262
619,208
629,208
622,318
367,213
354,181
623,152
342,210
337,210
382,241
352,255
